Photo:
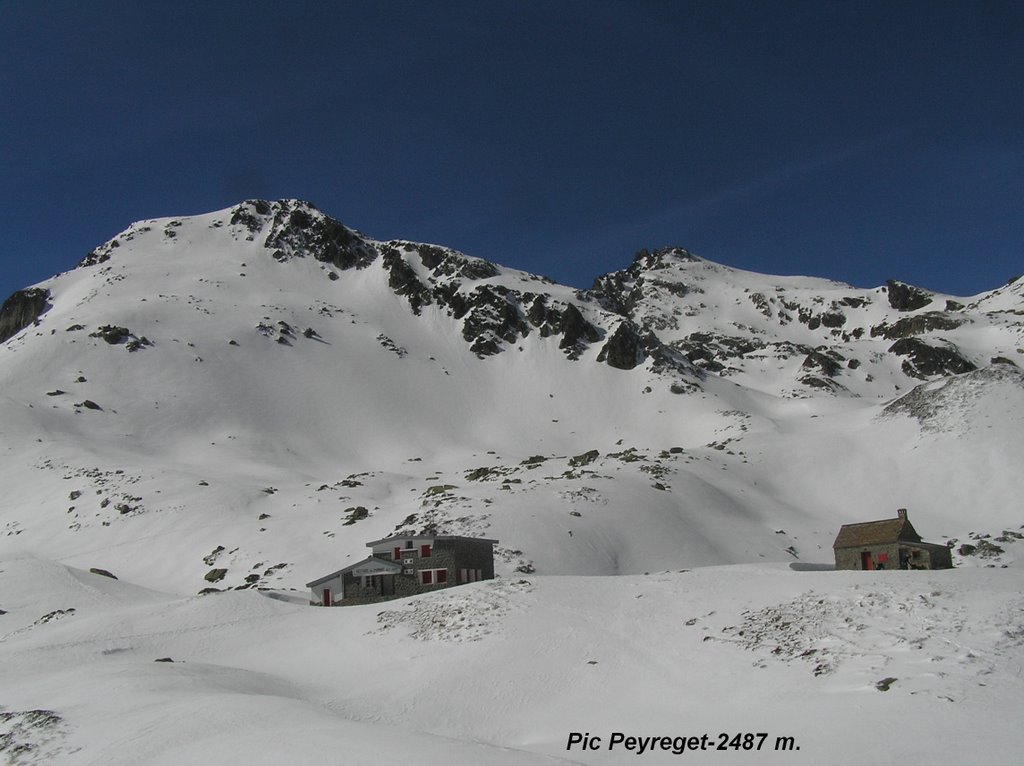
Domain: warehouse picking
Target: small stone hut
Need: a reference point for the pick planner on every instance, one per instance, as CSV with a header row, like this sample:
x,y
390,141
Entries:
x,y
404,565
887,544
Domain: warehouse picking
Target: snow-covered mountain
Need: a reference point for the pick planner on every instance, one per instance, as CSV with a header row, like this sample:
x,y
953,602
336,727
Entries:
x,y
263,390
243,380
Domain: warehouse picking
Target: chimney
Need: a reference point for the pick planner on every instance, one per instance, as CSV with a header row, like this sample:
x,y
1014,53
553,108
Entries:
x,y
901,513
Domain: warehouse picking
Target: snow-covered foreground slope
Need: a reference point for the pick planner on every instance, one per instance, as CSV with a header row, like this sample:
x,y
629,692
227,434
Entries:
x,y
920,666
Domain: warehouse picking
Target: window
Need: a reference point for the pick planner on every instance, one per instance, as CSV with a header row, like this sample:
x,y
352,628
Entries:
x,y
433,576
425,551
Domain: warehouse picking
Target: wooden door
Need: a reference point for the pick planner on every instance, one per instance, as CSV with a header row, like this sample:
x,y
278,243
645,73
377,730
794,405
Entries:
x,y
326,599
865,561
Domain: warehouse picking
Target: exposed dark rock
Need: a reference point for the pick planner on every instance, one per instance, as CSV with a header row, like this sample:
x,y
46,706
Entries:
x,y
1003,360
215,575
823,361
102,572
21,309
916,325
493,315
404,280
356,513
89,404
444,262
924,361
482,474
814,381
584,459
621,291
833,319
112,334
624,350
309,230
97,256
708,352
250,214
575,329
296,228
904,297
984,549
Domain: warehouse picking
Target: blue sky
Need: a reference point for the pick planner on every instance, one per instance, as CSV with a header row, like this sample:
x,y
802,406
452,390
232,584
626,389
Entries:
x,y
855,140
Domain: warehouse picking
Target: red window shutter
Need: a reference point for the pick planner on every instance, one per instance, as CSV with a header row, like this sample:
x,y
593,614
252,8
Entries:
x,y
398,553
428,577
425,551
442,575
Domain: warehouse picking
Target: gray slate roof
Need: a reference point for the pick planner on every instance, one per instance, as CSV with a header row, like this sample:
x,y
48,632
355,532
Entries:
x,y
876,533
389,538
384,562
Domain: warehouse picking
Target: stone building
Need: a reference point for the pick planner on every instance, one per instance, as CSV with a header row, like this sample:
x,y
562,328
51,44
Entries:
x,y
404,565
887,544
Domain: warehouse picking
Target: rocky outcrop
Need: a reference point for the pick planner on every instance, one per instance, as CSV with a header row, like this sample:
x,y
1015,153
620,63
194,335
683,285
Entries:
x,y
917,325
924,361
22,309
493,314
625,348
295,228
621,291
904,297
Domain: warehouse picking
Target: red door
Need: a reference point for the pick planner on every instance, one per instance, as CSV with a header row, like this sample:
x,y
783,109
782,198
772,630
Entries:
x,y
865,561
326,600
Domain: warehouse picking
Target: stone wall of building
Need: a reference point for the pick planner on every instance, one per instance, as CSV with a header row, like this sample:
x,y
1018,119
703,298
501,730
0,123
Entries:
x,y
923,556
449,555
850,558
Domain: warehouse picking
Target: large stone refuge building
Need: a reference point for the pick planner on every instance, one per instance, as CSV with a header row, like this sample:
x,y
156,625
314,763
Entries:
x,y
403,565
887,544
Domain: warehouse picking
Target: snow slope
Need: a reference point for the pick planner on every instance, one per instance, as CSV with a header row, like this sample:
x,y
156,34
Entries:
x,y
925,664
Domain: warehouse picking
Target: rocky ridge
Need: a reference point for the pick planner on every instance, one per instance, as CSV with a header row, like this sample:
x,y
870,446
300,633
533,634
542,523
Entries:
x,y
670,309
